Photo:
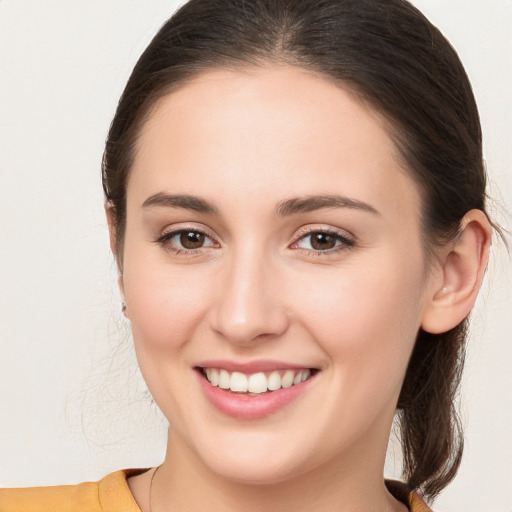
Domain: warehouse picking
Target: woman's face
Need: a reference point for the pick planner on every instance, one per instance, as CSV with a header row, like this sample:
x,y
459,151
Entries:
x,y
272,236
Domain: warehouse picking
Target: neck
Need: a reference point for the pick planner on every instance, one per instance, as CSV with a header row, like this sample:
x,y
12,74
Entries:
x,y
185,483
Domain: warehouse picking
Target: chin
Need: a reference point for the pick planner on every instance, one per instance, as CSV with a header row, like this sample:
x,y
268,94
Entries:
x,y
251,473
258,460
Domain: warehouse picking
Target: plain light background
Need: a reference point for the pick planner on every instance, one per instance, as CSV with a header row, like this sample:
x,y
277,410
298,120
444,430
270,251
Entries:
x,y
72,405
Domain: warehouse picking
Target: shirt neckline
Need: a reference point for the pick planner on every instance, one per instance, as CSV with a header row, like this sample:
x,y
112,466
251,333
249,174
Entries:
x,y
114,493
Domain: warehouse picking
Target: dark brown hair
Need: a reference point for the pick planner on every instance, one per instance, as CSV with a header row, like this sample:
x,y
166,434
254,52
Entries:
x,y
391,57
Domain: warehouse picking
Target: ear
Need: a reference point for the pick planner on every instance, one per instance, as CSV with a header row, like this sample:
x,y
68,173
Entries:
x,y
112,230
112,227
457,280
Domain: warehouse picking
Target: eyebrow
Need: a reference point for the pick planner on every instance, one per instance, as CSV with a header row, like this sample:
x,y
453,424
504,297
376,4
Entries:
x,y
185,201
316,202
284,208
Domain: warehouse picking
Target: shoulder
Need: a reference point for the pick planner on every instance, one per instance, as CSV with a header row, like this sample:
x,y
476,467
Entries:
x,y
69,498
110,494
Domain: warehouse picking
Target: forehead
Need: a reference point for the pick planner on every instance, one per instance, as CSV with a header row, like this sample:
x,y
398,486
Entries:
x,y
268,132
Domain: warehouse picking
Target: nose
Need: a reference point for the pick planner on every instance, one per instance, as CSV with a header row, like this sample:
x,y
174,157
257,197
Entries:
x,y
248,306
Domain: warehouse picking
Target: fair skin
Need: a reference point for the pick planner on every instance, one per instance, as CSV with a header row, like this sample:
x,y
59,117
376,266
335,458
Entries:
x,y
338,286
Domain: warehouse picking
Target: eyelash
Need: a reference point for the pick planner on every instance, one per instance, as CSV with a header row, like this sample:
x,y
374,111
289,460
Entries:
x,y
165,239
345,242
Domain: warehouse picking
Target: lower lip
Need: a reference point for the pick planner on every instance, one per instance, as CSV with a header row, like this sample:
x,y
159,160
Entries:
x,y
251,407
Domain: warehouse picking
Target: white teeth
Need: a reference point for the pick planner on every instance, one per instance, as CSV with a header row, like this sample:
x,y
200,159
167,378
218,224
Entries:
x,y
287,379
224,379
274,381
213,377
255,383
238,382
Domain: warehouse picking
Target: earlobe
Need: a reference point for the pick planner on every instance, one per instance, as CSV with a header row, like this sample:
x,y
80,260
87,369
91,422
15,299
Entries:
x,y
124,307
460,275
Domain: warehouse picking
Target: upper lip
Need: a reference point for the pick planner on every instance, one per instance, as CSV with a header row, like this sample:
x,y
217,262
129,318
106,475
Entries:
x,y
249,367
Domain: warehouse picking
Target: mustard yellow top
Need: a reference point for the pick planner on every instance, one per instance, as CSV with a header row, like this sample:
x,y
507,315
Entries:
x,y
112,494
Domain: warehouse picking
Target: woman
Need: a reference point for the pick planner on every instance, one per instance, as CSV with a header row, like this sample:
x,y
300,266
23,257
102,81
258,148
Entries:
x,y
296,202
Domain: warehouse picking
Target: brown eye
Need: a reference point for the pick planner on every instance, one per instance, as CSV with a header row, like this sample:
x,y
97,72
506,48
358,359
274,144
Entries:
x,y
322,241
191,239
185,240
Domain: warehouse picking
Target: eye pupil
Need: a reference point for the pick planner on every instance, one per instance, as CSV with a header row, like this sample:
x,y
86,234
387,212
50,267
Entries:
x,y
192,239
322,241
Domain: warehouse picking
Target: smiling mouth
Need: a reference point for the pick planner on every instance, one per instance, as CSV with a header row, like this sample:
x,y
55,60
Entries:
x,y
256,383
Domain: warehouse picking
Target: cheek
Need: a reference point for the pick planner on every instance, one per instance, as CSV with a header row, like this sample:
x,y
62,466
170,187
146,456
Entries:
x,y
166,302
366,319
166,308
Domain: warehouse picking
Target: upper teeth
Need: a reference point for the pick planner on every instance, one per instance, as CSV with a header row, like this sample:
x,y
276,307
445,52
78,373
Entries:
x,y
257,382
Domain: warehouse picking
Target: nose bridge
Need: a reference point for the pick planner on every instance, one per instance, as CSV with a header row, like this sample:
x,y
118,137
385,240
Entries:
x,y
248,305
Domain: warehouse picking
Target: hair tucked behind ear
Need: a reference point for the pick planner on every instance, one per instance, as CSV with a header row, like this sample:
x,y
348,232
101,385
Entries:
x,y
389,56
